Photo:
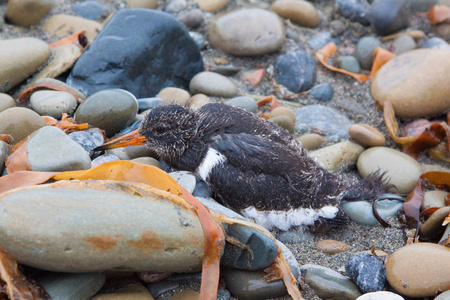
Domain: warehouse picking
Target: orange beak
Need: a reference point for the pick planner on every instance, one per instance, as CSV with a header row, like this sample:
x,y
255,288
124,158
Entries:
x,y
130,139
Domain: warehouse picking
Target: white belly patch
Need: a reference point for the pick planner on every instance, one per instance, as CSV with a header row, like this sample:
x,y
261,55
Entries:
x,y
212,159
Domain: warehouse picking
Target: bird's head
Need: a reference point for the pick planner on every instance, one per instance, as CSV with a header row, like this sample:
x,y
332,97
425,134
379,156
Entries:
x,y
168,130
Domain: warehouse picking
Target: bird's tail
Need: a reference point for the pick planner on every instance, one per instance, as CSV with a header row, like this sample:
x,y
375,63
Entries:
x,y
369,188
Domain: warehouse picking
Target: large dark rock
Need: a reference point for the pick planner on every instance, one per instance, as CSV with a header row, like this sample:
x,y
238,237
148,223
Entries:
x,y
296,70
139,50
390,16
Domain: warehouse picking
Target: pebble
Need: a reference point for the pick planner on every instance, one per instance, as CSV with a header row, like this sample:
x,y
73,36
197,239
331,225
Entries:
x,y
20,58
50,150
58,83
171,95
348,63
212,84
71,286
337,156
246,32
283,111
245,102
433,199
90,9
419,270
390,16
127,289
361,212
402,170
421,5
300,12
149,103
415,83
192,18
310,141
364,51
167,57
150,4
158,288
186,295
103,159
324,92
327,284
131,152
53,103
367,271
443,296
331,246
175,6
4,152
148,161
436,43
402,44
327,120
27,12
202,189
381,295
443,30
63,25
432,228
198,100
111,110
6,101
100,244
211,5
88,139
366,135
296,70
319,40
185,179
198,38
19,122
355,10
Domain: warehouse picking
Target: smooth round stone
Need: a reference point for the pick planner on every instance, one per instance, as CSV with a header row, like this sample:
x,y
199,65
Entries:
x,y
327,284
355,10
88,139
90,9
52,81
319,40
436,43
247,103
348,63
185,179
402,44
103,159
366,135
121,230
443,296
433,199
364,51
325,119
198,38
132,152
416,83
53,103
337,156
4,152
211,5
71,286
402,170
283,111
125,289
390,16
430,261
19,58
6,101
175,6
172,95
432,227
150,4
148,103
284,122
147,161
331,246
298,11
192,18
27,12
443,30
51,150
367,271
111,110
61,25
199,100
322,92
247,32
212,84
310,141
361,212
296,70
19,122
381,295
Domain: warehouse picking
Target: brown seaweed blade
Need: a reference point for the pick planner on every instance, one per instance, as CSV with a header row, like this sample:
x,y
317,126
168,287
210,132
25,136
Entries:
x,y
412,206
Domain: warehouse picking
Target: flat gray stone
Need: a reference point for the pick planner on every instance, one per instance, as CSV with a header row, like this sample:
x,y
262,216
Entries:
x,y
361,211
53,103
212,84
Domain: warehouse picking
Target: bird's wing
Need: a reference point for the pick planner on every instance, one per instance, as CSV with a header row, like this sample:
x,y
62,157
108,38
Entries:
x,y
256,153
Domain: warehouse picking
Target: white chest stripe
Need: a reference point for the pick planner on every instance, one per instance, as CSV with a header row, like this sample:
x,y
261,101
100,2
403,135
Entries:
x,y
212,158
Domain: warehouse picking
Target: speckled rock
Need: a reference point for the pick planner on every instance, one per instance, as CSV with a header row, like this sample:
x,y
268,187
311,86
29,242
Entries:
x,y
331,246
88,139
50,149
19,58
296,70
150,4
211,5
212,84
149,224
364,51
390,16
110,110
27,12
431,261
19,122
367,271
245,102
355,10
6,101
366,135
402,170
337,156
415,83
172,95
433,199
247,32
310,141
53,103
361,212
301,12
61,25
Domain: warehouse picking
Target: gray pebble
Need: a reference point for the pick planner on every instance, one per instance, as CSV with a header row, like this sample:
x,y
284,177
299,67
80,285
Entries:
x,y
403,44
91,10
53,103
148,103
158,288
175,6
247,103
361,212
322,92
88,139
348,63
319,40
192,19
198,38
103,159
390,16
367,271
437,43
185,179
355,10
364,51
212,84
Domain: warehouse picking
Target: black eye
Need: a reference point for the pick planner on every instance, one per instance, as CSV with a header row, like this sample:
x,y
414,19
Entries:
x,y
159,129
